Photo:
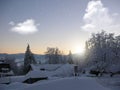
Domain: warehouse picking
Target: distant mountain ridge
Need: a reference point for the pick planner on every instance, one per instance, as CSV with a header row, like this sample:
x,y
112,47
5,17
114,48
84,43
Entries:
x,y
21,55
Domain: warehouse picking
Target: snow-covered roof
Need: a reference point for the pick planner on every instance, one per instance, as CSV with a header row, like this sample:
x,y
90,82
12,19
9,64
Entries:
x,y
52,70
47,67
36,74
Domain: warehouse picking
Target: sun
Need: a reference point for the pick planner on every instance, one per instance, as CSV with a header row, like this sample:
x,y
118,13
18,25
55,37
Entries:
x,y
79,50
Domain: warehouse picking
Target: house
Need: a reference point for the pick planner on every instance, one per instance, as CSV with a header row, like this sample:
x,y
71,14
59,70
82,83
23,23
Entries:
x,y
45,67
5,70
50,70
2,60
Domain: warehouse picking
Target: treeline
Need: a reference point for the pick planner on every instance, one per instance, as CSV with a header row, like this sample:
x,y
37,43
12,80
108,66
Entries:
x,y
103,52
55,56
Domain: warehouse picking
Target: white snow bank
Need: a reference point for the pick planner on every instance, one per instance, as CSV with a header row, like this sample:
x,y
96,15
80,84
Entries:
x,y
113,83
67,84
4,80
13,86
16,85
17,78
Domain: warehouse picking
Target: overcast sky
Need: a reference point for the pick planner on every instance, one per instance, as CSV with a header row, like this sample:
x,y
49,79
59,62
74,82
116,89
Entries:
x,y
65,24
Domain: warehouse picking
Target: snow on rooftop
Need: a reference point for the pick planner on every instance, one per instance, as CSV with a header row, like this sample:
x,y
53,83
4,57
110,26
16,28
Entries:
x,y
65,70
36,74
48,67
51,70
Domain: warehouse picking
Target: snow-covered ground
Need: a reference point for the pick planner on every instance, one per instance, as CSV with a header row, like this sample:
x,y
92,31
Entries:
x,y
55,74
111,82
71,83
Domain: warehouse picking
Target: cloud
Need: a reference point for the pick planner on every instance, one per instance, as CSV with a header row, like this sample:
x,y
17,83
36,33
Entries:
x,y
26,27
97,18
12,23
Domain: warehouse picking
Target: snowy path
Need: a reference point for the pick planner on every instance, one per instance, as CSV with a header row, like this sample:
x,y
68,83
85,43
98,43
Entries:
x,y
74,83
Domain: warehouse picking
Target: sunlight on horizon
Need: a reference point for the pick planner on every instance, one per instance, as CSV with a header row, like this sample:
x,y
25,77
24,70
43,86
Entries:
x,y
79,50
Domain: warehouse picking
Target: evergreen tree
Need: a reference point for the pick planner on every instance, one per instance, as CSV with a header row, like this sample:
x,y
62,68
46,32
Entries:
x,y
29,59
70,59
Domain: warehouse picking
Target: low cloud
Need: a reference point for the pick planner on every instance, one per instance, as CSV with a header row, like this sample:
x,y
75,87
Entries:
x,y
97,18
26,27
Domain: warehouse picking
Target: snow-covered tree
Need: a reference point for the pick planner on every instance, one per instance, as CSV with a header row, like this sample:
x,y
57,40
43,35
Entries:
x,y
29,59
103,50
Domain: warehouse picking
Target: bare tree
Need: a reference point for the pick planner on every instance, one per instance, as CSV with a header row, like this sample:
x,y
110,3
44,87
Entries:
x,y
53,55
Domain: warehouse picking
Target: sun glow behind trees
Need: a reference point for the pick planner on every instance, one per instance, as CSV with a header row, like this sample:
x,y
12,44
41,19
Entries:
x,y
79,50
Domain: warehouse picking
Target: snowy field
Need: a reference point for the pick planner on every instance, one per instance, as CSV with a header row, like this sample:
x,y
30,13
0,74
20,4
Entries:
x,y
111,82
71,83
61,78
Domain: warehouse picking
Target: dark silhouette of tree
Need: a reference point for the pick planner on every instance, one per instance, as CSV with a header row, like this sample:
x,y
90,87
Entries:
x,y
70,58
53,55
29,59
